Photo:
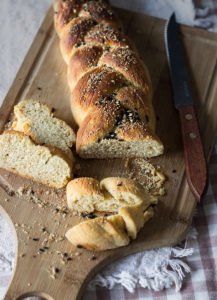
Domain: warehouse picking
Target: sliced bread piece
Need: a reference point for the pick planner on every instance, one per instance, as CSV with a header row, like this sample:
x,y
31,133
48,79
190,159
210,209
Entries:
x,y
36,120
126,198
103,233
20,155
99,234
126,191
83,194
86,195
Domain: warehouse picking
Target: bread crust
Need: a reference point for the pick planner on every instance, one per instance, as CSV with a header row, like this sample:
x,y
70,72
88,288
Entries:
x,y
99,234
86,195
124,197
83,188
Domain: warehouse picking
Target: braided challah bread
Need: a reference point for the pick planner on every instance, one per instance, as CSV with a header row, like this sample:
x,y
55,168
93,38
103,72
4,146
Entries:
x,y
124,197
110,86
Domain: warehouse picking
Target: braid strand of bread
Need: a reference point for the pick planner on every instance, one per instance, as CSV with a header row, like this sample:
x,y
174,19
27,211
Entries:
x,y
125,203
111,91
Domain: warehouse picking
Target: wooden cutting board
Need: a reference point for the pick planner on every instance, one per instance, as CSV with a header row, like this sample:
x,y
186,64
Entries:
x,y
39,217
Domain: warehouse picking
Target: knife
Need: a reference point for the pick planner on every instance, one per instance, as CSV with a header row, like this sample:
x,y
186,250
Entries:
x,y
195,162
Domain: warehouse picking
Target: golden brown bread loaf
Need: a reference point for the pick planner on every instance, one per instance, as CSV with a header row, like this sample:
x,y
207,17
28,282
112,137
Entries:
x,y
124,197
110,86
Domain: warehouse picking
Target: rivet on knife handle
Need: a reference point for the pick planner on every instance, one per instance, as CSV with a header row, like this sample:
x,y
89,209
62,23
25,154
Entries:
x,y
193,151
195,163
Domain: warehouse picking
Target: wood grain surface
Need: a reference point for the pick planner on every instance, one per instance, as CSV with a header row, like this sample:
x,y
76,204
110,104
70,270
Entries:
x,y
39,213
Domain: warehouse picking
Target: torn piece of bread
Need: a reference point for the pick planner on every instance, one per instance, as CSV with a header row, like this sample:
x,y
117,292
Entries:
x,y
125,197
103,233
86,195
135,218
149,176
99,234
20,155
36,120
82,194
126,191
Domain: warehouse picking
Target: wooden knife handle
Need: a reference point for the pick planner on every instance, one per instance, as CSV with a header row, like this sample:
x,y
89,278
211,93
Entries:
x,y
195,162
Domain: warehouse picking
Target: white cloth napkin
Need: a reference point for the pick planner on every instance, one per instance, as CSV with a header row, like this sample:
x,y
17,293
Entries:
x,y
153,269
19,22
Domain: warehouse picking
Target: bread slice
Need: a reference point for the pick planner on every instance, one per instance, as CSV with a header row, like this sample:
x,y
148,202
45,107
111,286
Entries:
x,y
20,155
86,195
36,120
99,234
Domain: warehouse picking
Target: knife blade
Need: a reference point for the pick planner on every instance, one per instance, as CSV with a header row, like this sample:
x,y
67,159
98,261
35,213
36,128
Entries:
x,y
195,163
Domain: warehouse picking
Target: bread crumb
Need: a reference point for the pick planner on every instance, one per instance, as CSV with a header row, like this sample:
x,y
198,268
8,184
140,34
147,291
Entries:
x,y
28,192
63,261
60,239
93,257
53,271
126,164
20,191
35,239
